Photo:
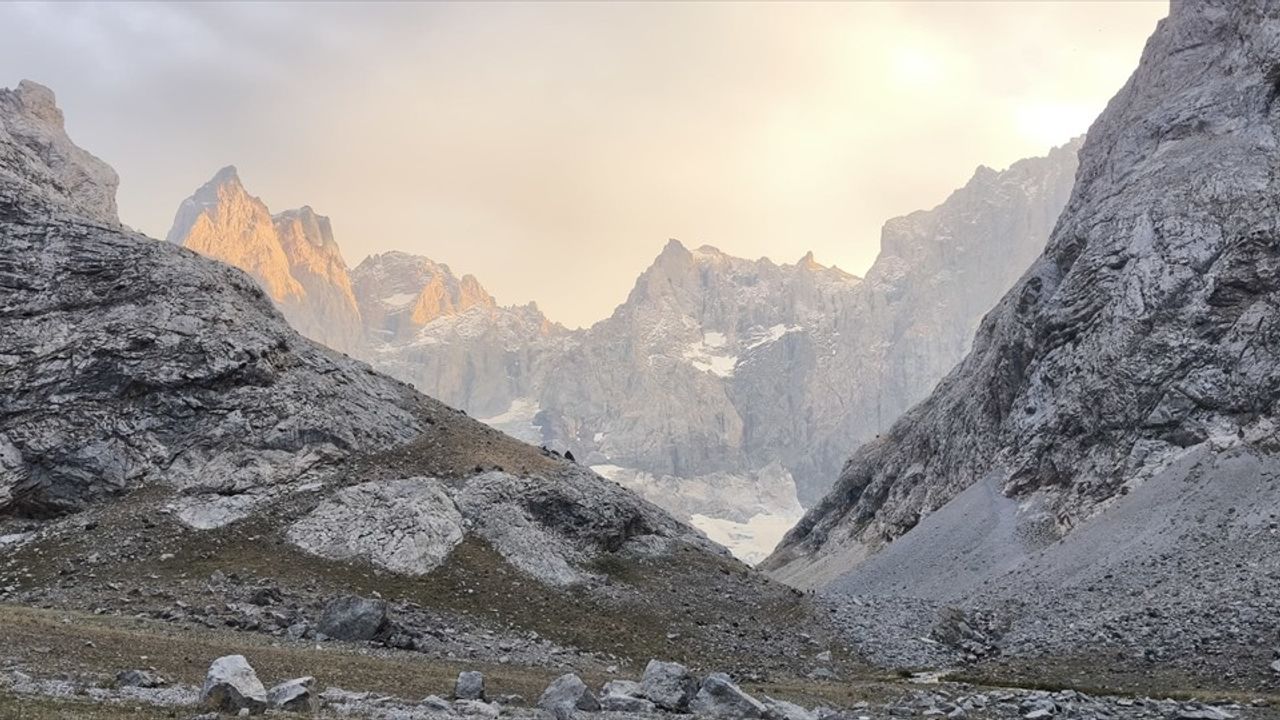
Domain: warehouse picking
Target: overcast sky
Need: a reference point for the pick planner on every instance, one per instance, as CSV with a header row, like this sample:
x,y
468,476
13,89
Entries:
x,y
551,149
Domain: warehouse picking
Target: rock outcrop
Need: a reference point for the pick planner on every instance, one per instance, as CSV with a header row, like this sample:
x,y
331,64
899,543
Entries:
x,y
36,152
1131,361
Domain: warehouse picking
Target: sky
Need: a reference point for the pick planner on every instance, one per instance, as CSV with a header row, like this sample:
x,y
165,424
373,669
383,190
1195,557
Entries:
x,y
552,149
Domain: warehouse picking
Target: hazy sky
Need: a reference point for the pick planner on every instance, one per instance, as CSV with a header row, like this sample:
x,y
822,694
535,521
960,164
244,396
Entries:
x,y
551,149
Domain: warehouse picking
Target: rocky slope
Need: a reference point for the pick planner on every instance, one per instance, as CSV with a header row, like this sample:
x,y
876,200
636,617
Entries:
x,y
1118,402
153,402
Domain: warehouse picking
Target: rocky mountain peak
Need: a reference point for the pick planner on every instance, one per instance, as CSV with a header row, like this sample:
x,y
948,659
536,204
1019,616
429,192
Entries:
x,y
41,155
39,102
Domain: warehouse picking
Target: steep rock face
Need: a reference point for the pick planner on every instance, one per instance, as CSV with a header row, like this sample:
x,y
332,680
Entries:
x,y
38,154
401,293
1146,331
327,312
448,336
292,256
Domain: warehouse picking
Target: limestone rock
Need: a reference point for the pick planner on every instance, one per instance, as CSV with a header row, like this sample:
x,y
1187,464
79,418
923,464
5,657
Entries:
x,y
567,695
408,526
231,686
470,686
295,695
668,685
720,697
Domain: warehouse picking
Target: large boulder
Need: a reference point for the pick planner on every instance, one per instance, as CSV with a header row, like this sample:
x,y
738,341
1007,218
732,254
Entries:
x,y
231,686
470,686
294,696
354,618
406,526
669,685
720,697
566,695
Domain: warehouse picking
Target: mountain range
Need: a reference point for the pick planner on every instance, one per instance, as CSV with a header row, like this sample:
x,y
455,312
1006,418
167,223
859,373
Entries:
x,y
723,389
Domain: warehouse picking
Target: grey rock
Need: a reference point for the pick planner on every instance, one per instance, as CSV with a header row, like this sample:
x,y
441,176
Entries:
x,y
138,678
439,704
720,697
353,618
783,710
476,708
668,685
232,686
470,685
294,696
565,696
626,704
408,526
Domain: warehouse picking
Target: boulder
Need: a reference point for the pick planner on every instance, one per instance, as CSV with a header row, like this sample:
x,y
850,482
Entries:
x,y
470,686
566,695
294,696
231,686
354,618
720,697
668,685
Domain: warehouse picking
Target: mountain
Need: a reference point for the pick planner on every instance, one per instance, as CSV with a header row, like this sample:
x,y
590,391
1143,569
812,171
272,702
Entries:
x,y
1105,454
292,255
173,453
449,337
728,390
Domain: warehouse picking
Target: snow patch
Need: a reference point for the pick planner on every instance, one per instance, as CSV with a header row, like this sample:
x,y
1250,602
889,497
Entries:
x,y
517,420
771,334
703,355
749,541
399,300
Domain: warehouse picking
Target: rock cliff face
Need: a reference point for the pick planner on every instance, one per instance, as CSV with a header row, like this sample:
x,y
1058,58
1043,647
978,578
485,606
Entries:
x,y
448,336
293,256
1146,333
40,157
